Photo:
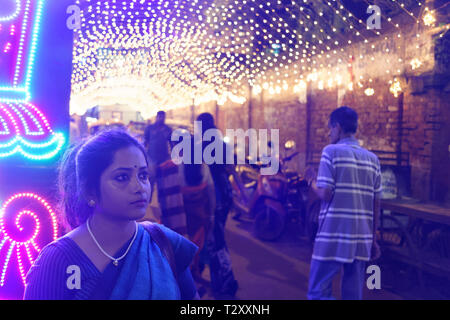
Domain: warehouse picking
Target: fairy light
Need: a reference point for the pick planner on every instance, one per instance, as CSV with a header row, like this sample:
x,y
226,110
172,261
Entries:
x,y
36,202
211,16
320,85
415,63
395,88
13,15
7,47
301,86
351,26
17,86
5,128
6,264
19,145
24,128
20,265
24,122
190,49
369,92
409,13
17,137
312,77
34,43
330,83
23,35
256,90
428,18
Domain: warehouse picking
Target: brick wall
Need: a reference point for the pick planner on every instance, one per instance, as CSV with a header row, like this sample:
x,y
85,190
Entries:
x,y
419,127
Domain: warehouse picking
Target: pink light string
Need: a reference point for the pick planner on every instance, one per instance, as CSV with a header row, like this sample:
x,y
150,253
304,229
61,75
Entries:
x,y
25,249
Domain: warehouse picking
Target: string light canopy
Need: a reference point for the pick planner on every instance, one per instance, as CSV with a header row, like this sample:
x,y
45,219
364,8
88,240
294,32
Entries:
x,y
169,54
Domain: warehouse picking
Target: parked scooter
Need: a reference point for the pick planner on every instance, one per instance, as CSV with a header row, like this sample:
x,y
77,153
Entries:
x,y
270,201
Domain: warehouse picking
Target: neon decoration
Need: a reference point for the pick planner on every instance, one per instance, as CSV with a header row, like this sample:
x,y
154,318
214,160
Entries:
x,y
7,47
17,4
21,231
24,129
17,68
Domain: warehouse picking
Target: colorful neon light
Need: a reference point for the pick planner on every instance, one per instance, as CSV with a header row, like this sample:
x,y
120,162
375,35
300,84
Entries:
x,y
16,239
17,7
14,86
7,47
24,129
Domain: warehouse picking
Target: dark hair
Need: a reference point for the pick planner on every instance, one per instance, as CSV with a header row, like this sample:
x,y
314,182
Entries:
x,y
192,171
346,117
81,168
161,113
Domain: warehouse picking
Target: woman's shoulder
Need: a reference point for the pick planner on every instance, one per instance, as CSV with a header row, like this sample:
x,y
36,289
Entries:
x,y
62,252
177,240
59,248
184,250
46,277
55,255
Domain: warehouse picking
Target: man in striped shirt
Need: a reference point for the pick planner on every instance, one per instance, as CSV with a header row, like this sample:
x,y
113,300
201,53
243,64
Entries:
x,y
349,184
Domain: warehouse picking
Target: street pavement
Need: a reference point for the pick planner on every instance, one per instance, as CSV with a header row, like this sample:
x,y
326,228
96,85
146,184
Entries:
x,y
274,270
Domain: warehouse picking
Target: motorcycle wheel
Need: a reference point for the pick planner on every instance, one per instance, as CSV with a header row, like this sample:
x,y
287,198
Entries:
x,y
269,224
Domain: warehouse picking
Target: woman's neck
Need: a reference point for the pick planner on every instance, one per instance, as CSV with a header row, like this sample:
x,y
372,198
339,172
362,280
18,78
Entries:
x,y
111,233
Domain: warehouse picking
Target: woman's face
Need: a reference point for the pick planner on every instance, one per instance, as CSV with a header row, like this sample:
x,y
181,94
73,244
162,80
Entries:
x,y
124,186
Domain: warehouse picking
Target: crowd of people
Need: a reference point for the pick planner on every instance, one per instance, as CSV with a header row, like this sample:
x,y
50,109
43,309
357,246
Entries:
x,y
107,181
195,200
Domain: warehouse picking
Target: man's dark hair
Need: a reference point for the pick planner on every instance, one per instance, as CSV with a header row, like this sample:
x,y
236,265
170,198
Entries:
x,y
161,113
346,117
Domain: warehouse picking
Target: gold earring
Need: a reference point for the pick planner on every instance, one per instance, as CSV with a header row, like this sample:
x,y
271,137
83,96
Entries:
x,y
91,203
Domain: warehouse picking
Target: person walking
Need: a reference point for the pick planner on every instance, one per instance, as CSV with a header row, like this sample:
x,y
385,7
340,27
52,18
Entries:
x,y
199,200
349,185
223,282
157,139
164,171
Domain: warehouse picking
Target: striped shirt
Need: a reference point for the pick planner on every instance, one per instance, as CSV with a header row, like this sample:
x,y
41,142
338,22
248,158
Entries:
x,y
346,222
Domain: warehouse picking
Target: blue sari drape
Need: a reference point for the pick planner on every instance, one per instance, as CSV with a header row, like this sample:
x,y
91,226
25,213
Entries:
x,y
145,273
145,264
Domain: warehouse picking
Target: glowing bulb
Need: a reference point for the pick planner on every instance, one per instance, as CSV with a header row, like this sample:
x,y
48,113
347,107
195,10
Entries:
x,y
395,88
320,85
429,19
415,63
369,92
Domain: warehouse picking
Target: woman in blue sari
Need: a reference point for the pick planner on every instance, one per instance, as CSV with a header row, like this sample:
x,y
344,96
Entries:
x,y
105,190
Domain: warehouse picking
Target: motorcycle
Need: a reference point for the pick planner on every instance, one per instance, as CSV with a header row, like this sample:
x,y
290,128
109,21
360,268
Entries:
x,y
270,201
